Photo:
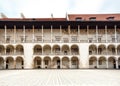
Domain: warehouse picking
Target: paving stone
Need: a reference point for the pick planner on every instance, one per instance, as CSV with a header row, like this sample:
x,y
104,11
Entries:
x,y
60,77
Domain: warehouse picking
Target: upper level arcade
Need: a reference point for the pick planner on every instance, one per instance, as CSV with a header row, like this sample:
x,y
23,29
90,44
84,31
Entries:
x,y
94,29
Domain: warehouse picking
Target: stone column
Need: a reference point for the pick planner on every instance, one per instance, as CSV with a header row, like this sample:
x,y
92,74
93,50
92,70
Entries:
x,y
61,63
97,63
115,33
5,33
51,33
24,34
116,64
69,33
4,64
14,33
33,34
88,33
97,33
70,64
107,64
42,34
106,32
14,64
79,33
61,33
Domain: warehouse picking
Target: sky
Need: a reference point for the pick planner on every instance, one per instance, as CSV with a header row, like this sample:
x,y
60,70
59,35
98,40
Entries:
x,y
58,8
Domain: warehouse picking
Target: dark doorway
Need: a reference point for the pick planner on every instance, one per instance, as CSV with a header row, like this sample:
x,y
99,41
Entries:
x,y
58,64
7,64
114,64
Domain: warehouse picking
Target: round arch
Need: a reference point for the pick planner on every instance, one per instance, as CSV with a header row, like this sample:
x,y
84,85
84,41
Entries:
x,y
47,62
65,49
65,62
37,62
37,50
92,49
9,63
74,62
92,62
111,49
47,49
56,49
56,62
111,62
19,63
74,50
102,62
19,50
9,49
102,49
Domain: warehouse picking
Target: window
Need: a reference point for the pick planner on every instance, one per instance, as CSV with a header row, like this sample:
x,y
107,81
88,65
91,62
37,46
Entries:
x,y
8,39
92,18
78,19
74,38
110,18
113,39
99,39
57,38
65,40
39,38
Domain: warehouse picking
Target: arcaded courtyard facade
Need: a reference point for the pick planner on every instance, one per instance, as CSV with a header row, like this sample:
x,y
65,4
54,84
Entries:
x,y
77,41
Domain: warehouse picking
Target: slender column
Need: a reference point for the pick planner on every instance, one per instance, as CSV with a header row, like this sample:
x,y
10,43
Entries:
x,y
5,33
106,32
70,53
14,64
14,33
51,32
88,32
24,33
115,33
61,63
116,64
51,51
116,52
69,33
61,33
70,63
78,32
15,53
97,63
107,63
4,64
33,33
42,34
97,33
42,50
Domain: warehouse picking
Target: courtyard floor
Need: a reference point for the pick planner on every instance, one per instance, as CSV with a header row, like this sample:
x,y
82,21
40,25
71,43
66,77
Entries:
x,y
54,77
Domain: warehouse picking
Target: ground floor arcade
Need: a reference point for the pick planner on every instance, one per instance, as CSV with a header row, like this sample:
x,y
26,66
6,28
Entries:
x,y
103,62
59,63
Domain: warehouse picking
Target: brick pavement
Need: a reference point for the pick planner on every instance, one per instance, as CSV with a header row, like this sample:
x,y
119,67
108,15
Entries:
x,y
60,77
